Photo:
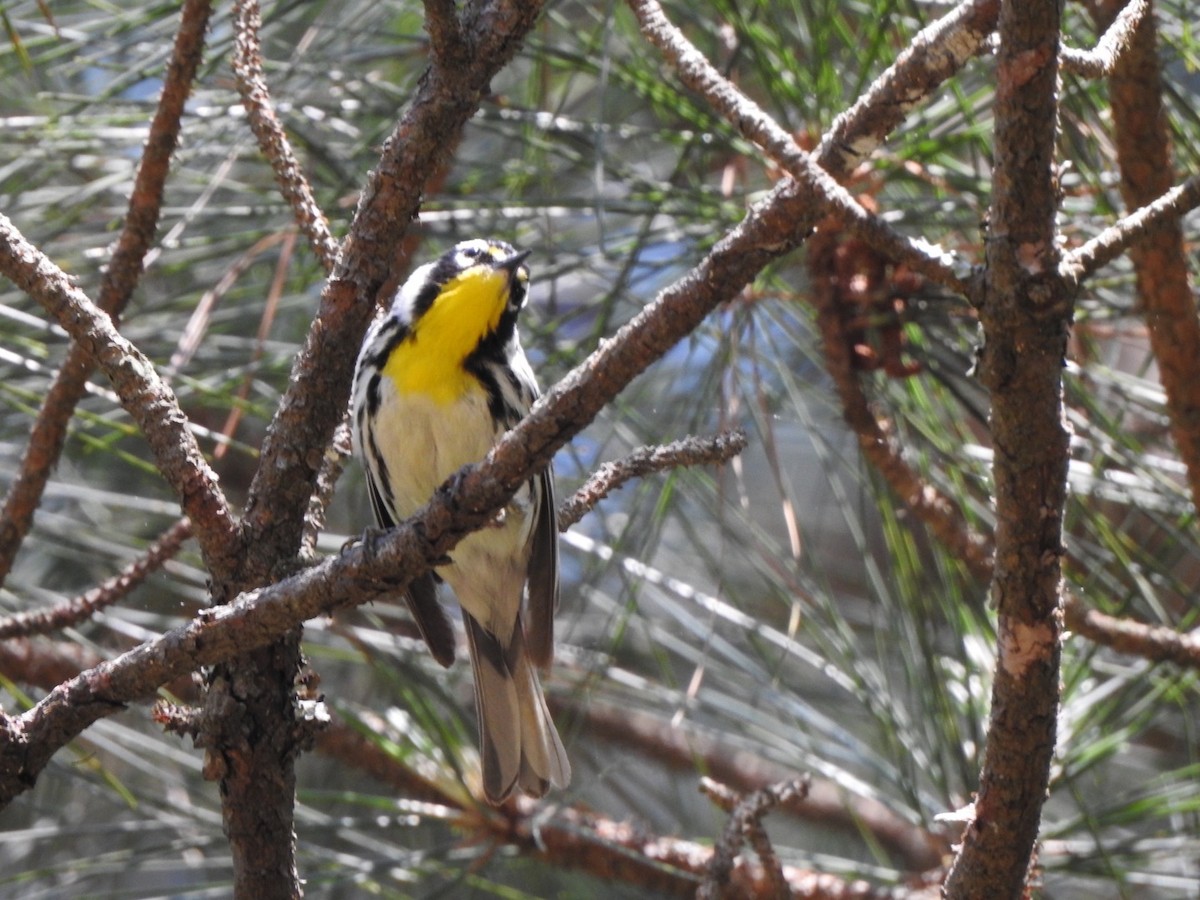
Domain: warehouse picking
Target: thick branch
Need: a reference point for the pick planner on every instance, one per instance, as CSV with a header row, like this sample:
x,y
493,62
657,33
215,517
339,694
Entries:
x,y
1025,314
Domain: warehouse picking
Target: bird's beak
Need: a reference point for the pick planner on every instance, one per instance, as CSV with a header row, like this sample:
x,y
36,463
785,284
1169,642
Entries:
x,y
513,263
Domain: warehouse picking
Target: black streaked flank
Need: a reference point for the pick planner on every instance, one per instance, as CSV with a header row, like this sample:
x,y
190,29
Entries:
x,y
380,485
389,341
374,395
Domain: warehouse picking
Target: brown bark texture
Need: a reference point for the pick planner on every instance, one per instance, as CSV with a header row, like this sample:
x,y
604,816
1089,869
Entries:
x,y
1025,311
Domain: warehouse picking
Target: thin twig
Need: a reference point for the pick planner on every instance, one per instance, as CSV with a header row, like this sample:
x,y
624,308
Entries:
x,y
274,143
745,822
335,460
827,805
192,337
185,721
49,431
271,137
690,451
1121,235
936,53
727,847
1154,642
270,307
780,147
112,590
143,394
1100,61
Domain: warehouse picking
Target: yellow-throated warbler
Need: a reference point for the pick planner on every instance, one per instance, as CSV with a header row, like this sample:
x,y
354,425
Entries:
x,y
439,380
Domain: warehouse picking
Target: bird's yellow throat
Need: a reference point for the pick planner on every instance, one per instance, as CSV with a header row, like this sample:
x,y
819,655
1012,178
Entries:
x,y
429,361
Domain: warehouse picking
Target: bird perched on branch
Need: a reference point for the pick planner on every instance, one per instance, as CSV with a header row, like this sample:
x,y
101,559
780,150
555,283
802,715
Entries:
x,y
440,378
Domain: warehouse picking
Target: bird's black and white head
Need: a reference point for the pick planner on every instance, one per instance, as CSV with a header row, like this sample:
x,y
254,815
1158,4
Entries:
x,y
472,292
452,324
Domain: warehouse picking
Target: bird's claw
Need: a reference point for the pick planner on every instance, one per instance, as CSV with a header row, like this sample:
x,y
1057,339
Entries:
x,y
367,539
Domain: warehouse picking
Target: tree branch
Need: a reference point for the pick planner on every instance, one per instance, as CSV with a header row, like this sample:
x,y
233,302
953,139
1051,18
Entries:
x,y
745,823
143,394
936,53
1160,258
690,451
445,34
124,270
112,590
1102,60
574,838
827,805
1154,642
272,139
1162,213
777,144
1025,313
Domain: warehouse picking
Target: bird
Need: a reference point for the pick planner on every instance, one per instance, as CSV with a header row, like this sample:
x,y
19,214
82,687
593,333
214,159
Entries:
x,y
440,378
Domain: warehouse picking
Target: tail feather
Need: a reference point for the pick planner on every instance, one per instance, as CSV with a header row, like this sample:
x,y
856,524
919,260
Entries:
x,y
519,745
545,759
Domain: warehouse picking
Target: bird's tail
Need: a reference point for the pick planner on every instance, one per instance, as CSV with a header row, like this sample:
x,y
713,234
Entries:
x,y
518,743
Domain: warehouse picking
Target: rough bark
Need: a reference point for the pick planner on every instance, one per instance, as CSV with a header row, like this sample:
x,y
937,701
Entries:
x,y
1025,313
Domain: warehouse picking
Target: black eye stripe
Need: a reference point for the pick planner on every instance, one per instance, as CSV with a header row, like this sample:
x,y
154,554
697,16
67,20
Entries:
x,y
462,257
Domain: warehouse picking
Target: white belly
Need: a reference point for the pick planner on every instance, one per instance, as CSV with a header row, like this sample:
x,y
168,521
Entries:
x,y
424,443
